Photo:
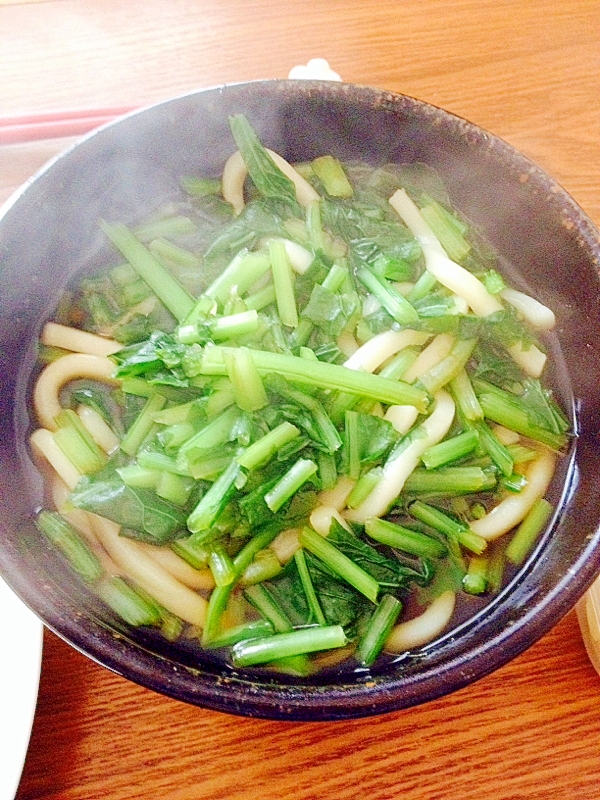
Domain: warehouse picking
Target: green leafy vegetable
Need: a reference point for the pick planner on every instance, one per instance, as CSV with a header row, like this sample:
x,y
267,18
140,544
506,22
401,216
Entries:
x,y
141,512
267,176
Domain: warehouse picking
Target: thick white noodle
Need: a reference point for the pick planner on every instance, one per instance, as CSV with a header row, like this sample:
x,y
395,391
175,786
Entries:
x,y
99,430
321,518
44,446
460,306
76,516
461,282
505,435
232,181
447,272
337,496
150,576
285,544
537,314
382,346
305,192
424,628
512,510
67,368
531,359
396,472
347,343
55,335
175,565
431,355
299,257
402,418
235,172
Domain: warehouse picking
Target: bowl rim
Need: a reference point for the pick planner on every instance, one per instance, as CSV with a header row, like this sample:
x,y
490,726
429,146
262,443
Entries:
x,y
376,694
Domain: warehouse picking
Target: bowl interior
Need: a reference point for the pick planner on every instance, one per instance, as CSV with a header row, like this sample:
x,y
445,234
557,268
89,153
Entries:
x,y
49,232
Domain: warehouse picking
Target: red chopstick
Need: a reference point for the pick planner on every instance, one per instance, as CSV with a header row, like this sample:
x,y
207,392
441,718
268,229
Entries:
x,y
55,124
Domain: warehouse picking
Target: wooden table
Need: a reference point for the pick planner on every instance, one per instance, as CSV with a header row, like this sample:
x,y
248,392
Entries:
x,y
528,70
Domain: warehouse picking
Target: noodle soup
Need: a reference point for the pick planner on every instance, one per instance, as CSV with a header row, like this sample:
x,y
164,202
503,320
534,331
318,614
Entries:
x,y
300,420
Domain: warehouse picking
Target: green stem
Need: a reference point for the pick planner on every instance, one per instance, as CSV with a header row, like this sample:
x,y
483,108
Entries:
x,y
448,368
394,303
241,633
214,501
309,590
465,397
169,226
352,444
500,407
528,531
155,460
67,418
499,454
248,388
214,434
265,448
195,555
68,540
314,226
475,580
220,595
301,334
142,425
261,299
139,477
450,481
327,470
242,272
158,278
265,604
324,376
422,287
339,563
284,284
447,525
364,486
174,488
380,626
128,604
284,645
331,174
399,364
495,568
446,231
264,567
288,485
401,538
76,450
450,449
221,565
163,248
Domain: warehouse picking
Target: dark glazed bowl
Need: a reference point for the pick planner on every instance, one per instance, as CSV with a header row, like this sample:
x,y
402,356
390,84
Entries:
x,y
49,231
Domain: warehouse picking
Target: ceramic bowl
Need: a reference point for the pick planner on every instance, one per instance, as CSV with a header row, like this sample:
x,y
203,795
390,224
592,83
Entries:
x,y
49,232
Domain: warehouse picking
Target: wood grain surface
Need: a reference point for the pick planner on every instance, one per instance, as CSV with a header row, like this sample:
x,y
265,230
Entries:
x,y
527,70
530,730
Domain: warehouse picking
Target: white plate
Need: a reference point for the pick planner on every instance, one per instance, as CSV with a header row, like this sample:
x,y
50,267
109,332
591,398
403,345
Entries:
x,y
20,661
